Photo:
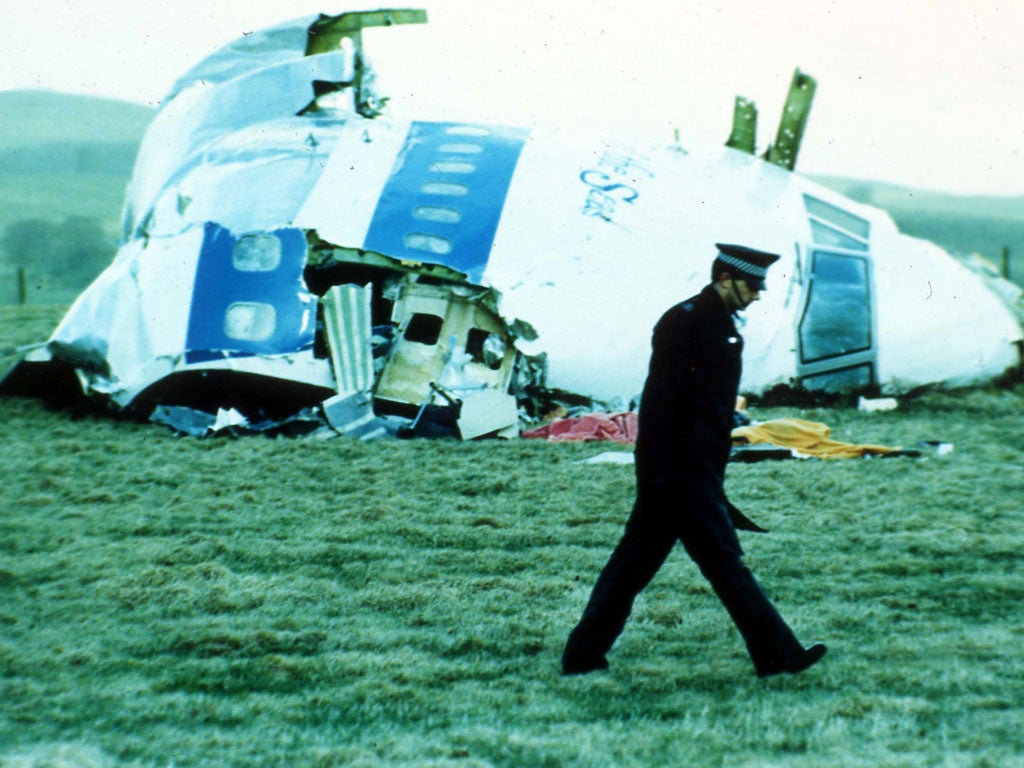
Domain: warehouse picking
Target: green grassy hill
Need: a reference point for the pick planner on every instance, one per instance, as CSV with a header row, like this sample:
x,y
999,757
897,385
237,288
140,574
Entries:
x,y
67,153
31,118
64,158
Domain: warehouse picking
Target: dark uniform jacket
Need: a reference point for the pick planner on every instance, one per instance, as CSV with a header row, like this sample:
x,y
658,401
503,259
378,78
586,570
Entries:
x,y
686,413
689,398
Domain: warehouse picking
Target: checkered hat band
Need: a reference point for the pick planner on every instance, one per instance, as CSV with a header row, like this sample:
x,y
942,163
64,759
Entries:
x,y
744,266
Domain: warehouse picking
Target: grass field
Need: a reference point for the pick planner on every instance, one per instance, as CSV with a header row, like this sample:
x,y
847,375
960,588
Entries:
x,y
171,601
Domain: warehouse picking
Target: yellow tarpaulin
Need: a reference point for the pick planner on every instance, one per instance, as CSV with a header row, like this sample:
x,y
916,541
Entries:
x,y
809,438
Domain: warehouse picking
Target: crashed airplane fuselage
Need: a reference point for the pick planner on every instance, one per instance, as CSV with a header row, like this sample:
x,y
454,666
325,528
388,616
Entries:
x,y
285,242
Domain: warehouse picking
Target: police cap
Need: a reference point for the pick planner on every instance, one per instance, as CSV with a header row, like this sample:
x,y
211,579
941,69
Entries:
x,y
749,264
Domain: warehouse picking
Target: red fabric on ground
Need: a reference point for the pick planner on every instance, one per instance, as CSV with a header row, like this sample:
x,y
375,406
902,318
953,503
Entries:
x,y
613,427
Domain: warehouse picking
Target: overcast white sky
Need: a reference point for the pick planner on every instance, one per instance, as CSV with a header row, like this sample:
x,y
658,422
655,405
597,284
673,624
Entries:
x,y
916,92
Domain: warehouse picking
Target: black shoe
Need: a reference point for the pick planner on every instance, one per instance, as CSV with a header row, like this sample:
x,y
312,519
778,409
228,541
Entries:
x,y
795,664
583,666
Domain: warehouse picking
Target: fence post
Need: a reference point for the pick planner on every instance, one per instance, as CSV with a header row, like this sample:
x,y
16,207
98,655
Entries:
x,y
22,293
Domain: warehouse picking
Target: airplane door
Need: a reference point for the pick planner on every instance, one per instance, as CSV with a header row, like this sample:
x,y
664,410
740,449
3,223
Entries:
x,y
836,327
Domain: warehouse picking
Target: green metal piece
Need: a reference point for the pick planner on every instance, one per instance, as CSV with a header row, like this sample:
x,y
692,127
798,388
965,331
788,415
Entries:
x,y
794,118
744,126
327,32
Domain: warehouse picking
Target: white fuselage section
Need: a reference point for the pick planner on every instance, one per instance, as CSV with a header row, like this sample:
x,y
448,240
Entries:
x,y
587,239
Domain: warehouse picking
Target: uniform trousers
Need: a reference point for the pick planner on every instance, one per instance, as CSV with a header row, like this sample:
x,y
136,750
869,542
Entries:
x,y
694,514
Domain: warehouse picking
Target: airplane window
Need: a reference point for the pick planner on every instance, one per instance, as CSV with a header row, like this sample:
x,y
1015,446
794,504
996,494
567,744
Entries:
x,y
423,328
823,234
485,347
837,319
257,253
428,243
436,213
841,380
467,130
845,220
452,166
461,149
250,321
444,188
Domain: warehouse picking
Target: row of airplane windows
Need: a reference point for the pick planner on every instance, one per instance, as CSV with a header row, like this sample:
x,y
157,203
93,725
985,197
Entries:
x,y
262,252
455,161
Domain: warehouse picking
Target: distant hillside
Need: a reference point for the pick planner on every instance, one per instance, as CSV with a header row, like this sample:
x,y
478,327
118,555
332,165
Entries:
x,y
30,118
65,161
67,153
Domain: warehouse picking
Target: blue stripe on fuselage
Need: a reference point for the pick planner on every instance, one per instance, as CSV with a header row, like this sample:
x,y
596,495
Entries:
x,y
220,287
444,197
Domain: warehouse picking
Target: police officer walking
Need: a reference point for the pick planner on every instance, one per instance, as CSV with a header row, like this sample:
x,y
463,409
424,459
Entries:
x,y
683,443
